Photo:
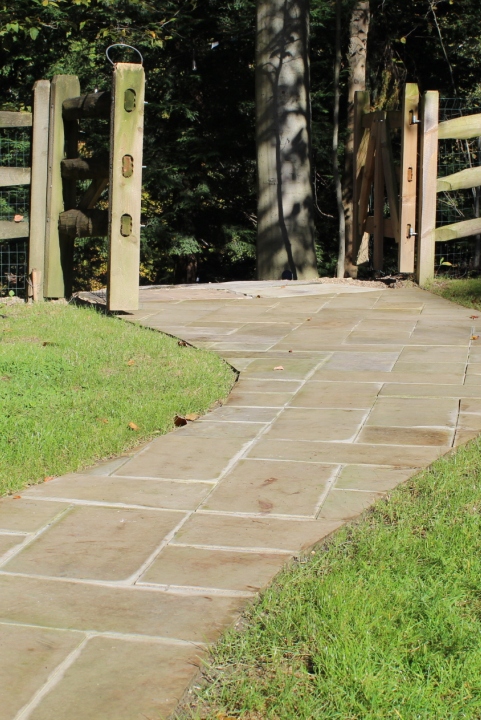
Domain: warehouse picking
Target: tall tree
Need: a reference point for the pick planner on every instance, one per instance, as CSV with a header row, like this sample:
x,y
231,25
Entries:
x,y
358,33
285,241
335,144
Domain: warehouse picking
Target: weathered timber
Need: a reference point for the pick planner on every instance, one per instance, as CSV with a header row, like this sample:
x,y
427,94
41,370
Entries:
x,y
408,177
15,119
38,187
462,180
378,252
126,138
459,230
12,230
388,227
461,128
394,118
14,176
58,251
93,105
78,223
367,177
85,168
428,167
362,101
92,195
390,175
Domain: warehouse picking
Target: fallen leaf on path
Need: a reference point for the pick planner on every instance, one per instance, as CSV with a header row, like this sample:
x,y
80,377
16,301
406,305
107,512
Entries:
x,y
474,317
182,343
309,319
474,337
48,478
133,426
279,367
192,417
290,350
131,362
179,421
17,497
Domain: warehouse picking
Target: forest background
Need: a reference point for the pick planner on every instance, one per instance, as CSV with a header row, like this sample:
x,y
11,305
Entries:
x,y
199,196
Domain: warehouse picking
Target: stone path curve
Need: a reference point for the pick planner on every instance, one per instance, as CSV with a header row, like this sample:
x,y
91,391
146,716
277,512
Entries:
x,y
113,582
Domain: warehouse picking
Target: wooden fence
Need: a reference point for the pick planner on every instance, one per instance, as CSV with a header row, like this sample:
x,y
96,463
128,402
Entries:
x,y
57,217
410,189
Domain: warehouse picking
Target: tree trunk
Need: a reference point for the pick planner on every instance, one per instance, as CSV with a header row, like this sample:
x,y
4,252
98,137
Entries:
x,y
285,240
335,146
358,32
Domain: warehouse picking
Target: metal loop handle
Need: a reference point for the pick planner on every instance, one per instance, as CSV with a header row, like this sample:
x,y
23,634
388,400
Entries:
x,y
125,46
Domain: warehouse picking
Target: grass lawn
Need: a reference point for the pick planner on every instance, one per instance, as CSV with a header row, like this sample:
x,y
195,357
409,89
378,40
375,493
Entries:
x,y
464,292
71,381
382,622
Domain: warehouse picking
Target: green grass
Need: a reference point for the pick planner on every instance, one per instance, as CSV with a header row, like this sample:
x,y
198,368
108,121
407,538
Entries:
x,y
465,292
382,622
71,381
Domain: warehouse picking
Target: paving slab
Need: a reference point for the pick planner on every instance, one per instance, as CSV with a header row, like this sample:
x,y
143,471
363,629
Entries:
x,y
121,680
269,487
162,494
28,655
100,608
116,578
213,568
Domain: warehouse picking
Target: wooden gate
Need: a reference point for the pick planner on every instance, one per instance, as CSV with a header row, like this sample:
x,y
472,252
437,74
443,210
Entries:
x,y
412,200
55,217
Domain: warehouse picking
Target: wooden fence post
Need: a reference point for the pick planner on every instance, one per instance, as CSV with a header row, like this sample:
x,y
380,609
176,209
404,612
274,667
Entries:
x,y
378,254
38,185
428,171
57,250
409,165
126,139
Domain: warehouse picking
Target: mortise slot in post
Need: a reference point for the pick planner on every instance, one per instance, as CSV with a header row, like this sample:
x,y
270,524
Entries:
x,y
126,225
127,166
410,174
130,98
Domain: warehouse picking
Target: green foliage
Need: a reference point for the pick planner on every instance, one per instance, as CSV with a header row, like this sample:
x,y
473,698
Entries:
x,y
72,380
199,183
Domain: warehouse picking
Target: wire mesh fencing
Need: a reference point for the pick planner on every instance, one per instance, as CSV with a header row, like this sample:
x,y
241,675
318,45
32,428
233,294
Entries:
x,y
14,207
458,258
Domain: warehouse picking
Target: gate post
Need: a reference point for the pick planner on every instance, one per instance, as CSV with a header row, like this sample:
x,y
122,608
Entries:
x,y
428,171
409,168
38,184
126,141
58,250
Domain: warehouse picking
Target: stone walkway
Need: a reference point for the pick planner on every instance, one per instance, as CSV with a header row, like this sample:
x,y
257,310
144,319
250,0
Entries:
x,y
113,582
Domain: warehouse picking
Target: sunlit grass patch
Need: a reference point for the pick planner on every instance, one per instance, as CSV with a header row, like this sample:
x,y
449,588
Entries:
x,y
72,380
465,292
384,621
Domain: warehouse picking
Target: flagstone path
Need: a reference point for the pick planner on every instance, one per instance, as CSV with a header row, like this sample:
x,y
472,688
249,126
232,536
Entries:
x,y
113,582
